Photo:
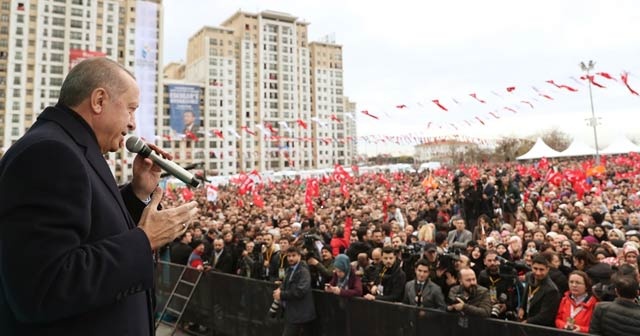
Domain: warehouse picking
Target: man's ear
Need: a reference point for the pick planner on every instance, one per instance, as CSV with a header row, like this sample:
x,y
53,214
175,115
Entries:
x,y
97,100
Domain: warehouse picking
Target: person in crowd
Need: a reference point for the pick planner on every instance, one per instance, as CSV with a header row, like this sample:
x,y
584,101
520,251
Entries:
x,y
344,282
459,237
181,249
221,260
294,295
468,297
541,296
321,270
422,292
620,317
390,279
502,285
577,304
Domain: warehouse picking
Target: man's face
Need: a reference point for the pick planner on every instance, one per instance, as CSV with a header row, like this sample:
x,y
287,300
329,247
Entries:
x,y
388,259
284,244
188,118
377,237
396,242
200,248
187,238
218,245
268,240
492,263
326,255
540,271
115,117
459,224
468,279
376,257
422,273
293,258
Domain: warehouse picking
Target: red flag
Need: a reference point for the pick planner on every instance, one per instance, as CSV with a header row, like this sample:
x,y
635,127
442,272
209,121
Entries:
x,y
625,79
527,102
562,86
365,112
271,129
167,136
240,203
437,102
512,110
257,200
546,96
191,136
246,129
345,190
511,88
554,178
591,79
543,164
480,120
302,123
494,115
476,98
218,134
187,194
335,118
605,75
402,106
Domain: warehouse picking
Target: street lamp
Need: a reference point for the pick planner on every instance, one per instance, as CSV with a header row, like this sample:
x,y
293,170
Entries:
x,y
594,122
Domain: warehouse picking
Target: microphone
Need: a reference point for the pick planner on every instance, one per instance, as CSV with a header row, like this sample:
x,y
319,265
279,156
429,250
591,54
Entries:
x,y
136,145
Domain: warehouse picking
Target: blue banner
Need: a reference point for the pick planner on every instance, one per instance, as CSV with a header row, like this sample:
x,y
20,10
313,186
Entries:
x,y
184,109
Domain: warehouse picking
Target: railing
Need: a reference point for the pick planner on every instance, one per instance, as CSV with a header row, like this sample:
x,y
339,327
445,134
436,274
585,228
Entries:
x,y
233,305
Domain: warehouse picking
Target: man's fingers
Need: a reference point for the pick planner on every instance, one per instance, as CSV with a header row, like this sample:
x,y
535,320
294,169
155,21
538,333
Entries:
x,y
156,196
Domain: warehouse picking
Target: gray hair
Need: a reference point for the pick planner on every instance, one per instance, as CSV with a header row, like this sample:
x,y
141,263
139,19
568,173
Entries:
x,y
89,75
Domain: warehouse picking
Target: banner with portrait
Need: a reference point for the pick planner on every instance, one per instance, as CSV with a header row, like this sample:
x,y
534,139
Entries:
x,y
184,109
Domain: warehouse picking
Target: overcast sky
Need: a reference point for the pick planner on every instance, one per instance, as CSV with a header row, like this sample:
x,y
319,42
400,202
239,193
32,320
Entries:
x,y
411,52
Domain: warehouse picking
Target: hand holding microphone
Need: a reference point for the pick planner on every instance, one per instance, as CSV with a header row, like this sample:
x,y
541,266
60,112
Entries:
x,y
136,145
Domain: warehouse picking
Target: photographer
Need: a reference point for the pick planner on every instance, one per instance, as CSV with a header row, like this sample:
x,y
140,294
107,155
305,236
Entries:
x,y
468,297
504,289
321,270
390,280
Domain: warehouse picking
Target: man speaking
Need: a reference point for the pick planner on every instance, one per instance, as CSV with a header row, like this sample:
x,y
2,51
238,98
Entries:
x,y
75,251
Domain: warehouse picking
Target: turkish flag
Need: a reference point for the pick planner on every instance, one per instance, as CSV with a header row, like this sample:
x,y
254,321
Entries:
x,y
187,194
344,189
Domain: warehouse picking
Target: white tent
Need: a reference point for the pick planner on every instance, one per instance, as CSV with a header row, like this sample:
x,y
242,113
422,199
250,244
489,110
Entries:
x,y
577,148
539,150
621,145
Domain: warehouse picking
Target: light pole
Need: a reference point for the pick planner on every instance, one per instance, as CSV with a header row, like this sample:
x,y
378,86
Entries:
x,y
594,122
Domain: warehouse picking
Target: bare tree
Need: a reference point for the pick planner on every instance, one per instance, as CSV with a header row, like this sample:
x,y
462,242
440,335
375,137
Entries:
x,y
556,139
509,148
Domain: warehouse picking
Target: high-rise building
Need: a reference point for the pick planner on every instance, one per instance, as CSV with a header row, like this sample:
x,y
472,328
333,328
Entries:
x,y
272,101
40,40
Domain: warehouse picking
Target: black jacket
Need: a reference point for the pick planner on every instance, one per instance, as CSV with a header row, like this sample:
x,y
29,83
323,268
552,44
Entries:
x,y
72,261
393,281
296,296
543,306
617,318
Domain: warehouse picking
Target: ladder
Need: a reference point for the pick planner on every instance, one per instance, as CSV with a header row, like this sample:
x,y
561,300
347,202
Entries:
x,y
181,301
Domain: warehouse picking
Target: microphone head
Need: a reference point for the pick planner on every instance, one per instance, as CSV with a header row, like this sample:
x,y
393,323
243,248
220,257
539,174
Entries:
x,y
135,144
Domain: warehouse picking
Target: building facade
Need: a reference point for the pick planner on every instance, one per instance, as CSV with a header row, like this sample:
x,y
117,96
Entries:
x,y
446,151
272,100
40,40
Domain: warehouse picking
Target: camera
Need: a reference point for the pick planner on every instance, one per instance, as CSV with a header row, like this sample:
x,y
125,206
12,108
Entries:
x,y
309,245
410,250
447,261
495,309
273,309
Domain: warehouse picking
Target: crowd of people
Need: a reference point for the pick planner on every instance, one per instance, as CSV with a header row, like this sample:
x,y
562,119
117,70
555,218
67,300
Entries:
x,y
551,243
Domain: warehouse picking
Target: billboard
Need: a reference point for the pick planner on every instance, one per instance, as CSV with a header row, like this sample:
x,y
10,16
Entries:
x,y
77,55
146,67
184,109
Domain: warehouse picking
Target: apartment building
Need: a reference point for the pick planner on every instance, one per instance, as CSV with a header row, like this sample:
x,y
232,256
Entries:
x,y
260,76
41,40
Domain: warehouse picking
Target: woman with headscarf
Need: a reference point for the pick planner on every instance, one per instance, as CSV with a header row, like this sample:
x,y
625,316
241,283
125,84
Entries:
x,y
344,281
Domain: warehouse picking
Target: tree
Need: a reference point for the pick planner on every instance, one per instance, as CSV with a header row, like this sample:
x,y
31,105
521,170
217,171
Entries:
x,y
509,148
556,139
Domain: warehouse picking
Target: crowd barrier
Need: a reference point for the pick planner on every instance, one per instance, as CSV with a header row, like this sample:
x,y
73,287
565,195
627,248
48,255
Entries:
x,y
233,305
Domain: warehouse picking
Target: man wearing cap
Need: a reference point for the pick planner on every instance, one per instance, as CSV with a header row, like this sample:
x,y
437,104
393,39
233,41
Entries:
x,y
321,270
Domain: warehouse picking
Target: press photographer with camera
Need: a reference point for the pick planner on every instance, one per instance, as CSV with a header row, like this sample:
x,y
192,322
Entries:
x,y
468,297
504,289
542,297
294,297
390,279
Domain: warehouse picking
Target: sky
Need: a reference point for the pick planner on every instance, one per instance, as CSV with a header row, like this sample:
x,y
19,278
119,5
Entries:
x,y
412,52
